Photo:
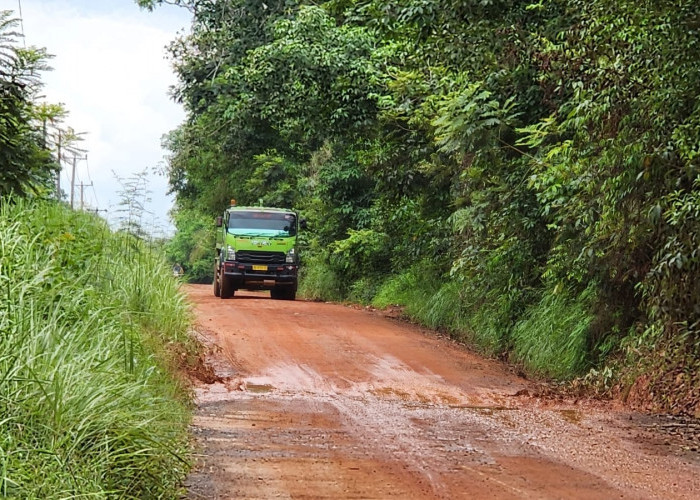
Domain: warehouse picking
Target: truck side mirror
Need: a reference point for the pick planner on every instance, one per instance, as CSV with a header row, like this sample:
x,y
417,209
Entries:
x,y
303,224
219,221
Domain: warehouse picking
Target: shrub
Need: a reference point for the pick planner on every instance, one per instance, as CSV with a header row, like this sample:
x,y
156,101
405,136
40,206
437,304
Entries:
x,y
318,281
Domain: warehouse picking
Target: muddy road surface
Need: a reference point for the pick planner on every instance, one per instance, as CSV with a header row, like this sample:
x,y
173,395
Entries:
x,y
314,400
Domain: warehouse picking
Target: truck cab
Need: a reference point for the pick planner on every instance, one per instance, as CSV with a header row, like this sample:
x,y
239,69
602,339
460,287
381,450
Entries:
x,y
256,249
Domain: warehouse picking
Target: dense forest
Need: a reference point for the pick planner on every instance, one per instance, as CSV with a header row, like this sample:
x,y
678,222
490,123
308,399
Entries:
x,y
522,174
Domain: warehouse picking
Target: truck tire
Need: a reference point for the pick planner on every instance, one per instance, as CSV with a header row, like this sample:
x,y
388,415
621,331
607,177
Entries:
x,y
225,285
217,284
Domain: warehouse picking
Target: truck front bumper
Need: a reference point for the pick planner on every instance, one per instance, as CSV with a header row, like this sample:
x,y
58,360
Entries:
x,y
261,277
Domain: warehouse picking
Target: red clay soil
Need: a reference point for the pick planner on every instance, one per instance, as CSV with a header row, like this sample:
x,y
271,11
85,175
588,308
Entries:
x,y
320,400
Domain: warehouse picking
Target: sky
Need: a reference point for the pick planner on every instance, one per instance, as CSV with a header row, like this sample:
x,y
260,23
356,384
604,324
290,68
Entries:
x,y
111,72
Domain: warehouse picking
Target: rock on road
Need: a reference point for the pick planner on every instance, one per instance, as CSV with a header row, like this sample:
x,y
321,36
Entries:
x,y
317,400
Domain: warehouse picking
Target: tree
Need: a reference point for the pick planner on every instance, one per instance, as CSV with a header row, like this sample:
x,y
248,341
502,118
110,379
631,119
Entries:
x,y
27,165
133,198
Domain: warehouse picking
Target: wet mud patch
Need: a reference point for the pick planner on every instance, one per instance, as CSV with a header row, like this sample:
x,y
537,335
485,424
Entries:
x,y
259,447
571,416
259,388
517,474
663,434
199,368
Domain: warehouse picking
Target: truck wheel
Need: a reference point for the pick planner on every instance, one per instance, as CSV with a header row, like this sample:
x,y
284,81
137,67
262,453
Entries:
x,y
225,285
217,285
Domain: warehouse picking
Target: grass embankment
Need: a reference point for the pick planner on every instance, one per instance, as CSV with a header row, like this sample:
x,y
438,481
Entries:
x,y
90,325
548,338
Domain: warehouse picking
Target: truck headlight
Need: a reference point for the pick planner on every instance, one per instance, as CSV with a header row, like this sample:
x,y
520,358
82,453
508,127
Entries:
x,y
230,253
290,257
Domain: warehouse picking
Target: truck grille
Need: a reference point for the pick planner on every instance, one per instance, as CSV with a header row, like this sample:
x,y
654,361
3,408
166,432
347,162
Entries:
x,y
260,257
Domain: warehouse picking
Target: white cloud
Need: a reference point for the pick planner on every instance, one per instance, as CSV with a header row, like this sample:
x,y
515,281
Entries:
x,y
111,72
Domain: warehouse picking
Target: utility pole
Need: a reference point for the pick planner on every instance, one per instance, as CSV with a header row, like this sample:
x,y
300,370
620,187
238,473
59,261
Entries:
x,y
58,174
72,182
82,192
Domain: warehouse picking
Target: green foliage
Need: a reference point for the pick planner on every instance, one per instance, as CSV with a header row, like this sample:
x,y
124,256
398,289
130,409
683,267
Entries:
x,y
403,289
274,180
318,281
362,252
471,119
89,323
671,294
313,80
363,290
551,339
192,245
671,288
434,300
26,164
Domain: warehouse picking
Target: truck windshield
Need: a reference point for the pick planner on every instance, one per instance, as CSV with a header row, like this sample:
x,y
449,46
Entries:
x,y
251,223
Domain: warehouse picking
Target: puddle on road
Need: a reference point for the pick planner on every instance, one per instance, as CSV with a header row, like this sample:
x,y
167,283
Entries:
x,y
484,410
429,397
259,388
389,392
571,416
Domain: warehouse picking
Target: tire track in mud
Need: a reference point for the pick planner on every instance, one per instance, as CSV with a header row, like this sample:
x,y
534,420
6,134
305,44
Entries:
x,y
322,401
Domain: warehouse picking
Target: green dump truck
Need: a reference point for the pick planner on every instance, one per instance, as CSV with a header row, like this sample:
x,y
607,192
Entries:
x,y
256,249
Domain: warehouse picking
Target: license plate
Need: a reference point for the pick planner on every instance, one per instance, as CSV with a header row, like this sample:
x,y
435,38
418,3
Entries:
x,y
259,268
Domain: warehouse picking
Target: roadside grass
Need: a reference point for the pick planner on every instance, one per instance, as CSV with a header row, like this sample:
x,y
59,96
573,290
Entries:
x,y
442,303
363,290
406,289
552,338
91,325
319,282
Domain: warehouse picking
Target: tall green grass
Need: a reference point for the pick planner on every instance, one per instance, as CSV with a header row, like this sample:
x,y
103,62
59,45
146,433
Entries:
x,y
318,281
552,339
443,303
88,403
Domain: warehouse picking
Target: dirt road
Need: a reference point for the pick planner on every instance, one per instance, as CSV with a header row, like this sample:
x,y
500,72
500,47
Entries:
x,y
323,401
